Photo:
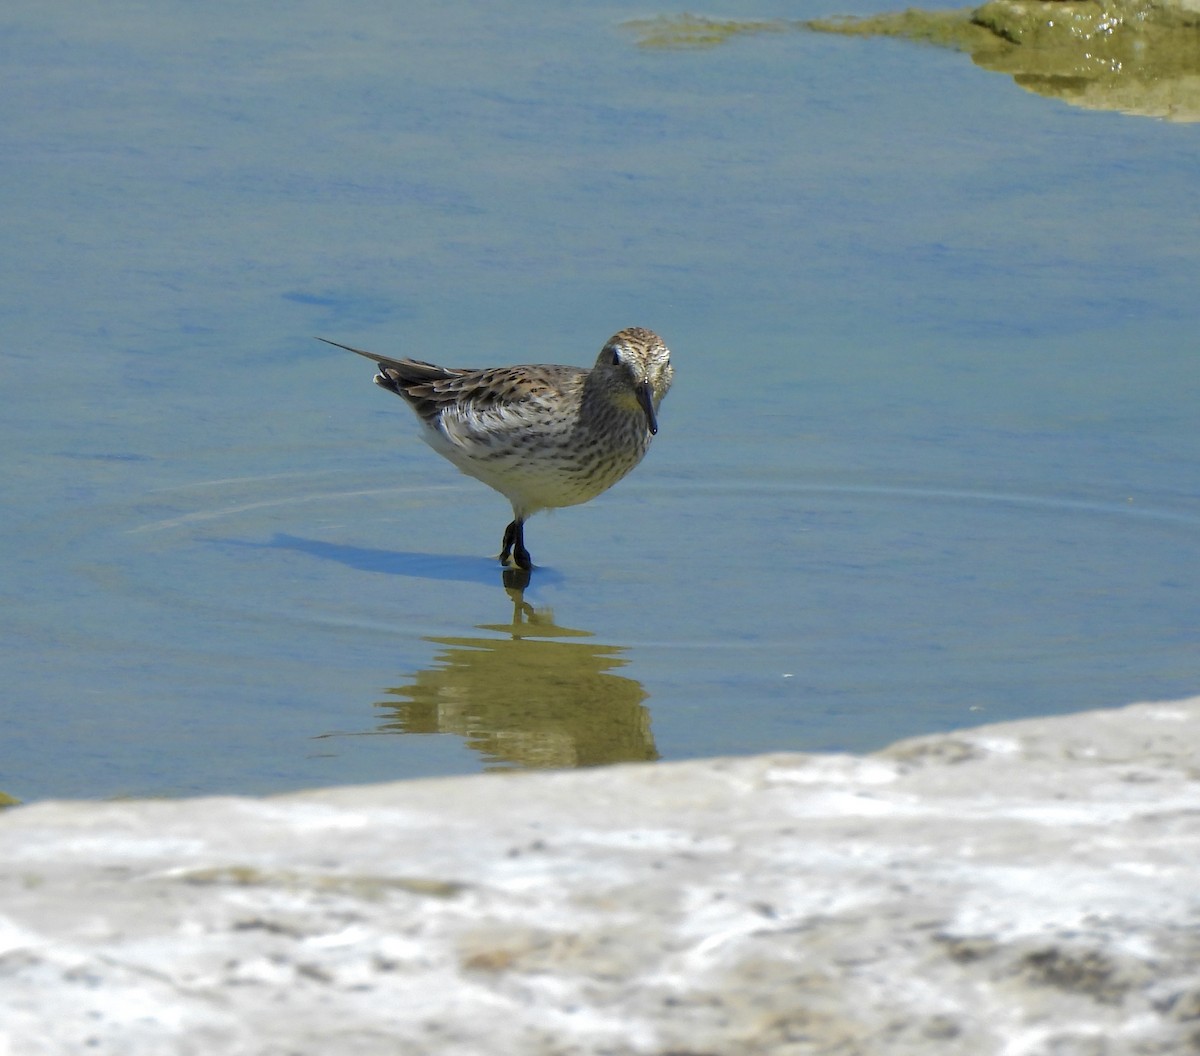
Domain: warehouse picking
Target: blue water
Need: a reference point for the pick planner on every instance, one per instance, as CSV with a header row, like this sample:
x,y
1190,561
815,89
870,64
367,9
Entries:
x,y
931,458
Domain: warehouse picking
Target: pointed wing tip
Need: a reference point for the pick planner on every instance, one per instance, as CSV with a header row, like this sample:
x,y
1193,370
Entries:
x,y
349,348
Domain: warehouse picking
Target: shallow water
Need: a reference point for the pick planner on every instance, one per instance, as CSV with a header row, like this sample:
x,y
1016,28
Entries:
x,y
930,459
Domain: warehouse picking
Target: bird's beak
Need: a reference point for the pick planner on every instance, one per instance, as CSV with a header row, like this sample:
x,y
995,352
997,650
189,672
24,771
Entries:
x,y
646,399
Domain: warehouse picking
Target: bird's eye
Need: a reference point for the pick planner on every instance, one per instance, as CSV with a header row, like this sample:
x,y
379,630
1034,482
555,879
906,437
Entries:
x,y
614,356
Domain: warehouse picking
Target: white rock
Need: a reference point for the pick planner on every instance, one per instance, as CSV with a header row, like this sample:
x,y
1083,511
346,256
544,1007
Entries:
x,y
1032,888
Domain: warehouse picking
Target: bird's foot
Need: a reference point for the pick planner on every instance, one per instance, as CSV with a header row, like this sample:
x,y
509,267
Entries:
x,y
517,559
512,547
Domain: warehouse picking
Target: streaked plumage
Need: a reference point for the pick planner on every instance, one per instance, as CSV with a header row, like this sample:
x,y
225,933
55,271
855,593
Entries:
x,y
543,436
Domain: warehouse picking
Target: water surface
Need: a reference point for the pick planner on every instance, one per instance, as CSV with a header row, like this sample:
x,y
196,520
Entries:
x,y
930,459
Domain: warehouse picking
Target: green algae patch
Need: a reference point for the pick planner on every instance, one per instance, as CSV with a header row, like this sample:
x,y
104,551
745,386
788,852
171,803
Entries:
x,y
682,32
948,29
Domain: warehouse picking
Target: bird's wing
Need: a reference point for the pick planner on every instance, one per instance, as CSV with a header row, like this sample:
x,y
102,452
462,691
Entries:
x,y
491,387
467,401
487,406
407,369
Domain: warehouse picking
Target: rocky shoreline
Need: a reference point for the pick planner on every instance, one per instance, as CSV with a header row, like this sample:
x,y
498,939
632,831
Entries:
x,y
1031,887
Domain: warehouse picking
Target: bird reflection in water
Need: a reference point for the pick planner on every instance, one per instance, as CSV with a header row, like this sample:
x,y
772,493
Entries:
x,y
537,697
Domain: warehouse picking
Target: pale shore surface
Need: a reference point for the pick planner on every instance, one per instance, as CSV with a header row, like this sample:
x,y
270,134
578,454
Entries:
x,y
1032,887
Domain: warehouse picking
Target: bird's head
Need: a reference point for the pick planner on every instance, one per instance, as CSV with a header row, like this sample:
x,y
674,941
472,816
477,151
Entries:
x,y
635,369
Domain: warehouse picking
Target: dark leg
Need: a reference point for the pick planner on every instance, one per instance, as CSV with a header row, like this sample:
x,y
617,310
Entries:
x,y
507,542
514,544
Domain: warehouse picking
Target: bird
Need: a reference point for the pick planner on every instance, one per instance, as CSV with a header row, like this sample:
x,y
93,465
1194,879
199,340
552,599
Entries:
x,y
543,435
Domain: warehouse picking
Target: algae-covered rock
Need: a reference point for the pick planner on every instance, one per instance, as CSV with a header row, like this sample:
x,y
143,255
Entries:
x,y
1066,23
1142,59
1136,56
1048,23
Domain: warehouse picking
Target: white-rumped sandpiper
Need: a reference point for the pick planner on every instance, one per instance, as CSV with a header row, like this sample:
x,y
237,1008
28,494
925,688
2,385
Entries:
x,y
543,436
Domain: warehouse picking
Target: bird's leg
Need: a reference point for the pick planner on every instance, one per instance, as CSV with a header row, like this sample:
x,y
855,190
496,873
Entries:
x,y
514,544
506,543
520,554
